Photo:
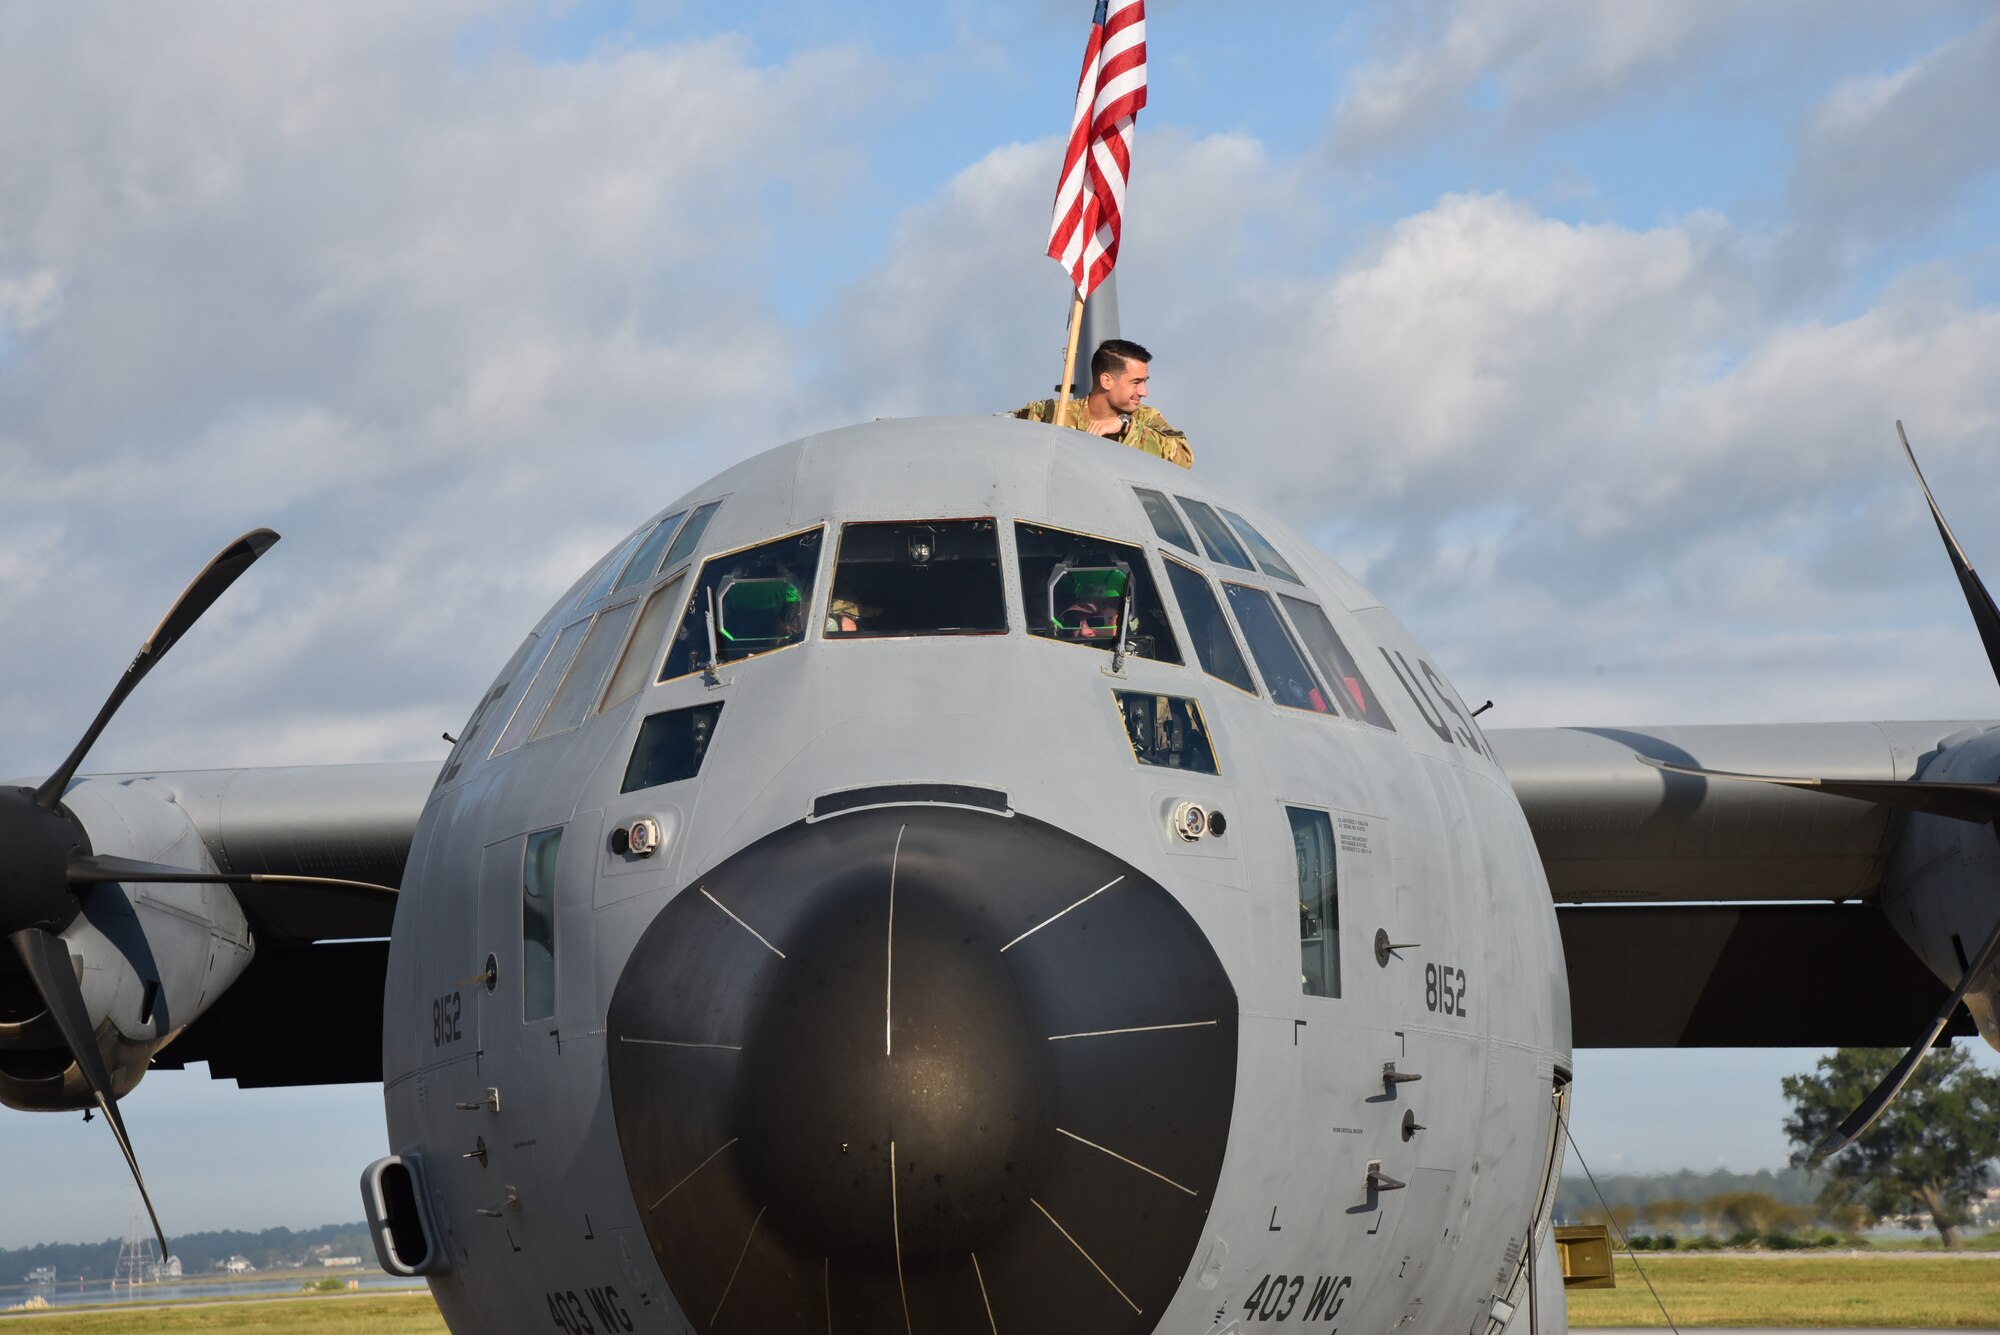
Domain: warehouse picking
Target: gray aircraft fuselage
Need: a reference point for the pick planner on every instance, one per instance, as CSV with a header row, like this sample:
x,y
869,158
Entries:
x,y
929,1013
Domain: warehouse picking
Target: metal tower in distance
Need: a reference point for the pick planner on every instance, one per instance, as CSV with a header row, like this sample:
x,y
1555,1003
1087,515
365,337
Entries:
x,y
138,1257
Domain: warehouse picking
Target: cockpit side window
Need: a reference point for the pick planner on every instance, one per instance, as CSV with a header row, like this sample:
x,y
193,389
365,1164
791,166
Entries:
x,y
1336,665
635,668
580,685
1214,645
746,603
469,736
1165,522
1278,658
936,577
536,698
1215,536
1076,588
690,535
645,562
1267,555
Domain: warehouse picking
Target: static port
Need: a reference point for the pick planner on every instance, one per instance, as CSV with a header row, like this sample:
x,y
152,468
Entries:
x,y
1217,823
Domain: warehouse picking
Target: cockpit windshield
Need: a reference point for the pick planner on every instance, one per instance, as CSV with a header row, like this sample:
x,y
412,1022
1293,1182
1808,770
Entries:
x,y
935,577
1082,590
746,603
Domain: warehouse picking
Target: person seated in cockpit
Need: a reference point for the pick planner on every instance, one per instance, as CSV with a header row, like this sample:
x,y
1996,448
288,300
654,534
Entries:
x,y
1091,618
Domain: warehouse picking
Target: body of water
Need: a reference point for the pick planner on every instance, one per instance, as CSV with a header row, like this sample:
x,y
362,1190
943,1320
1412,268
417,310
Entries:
x,y
99,1292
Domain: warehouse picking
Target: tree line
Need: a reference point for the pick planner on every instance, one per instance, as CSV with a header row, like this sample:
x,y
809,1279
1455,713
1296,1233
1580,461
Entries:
x,y
199,1253
1929,1159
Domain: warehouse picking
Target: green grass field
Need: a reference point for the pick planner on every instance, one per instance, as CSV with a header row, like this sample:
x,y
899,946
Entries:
x,y
1895,1289
408,1314
1789,1289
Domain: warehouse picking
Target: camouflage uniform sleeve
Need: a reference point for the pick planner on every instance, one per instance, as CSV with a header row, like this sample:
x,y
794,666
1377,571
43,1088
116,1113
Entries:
x,y
1042,410
1155,435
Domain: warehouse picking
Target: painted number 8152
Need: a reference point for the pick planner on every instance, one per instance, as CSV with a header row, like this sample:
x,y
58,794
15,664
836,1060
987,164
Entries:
x,y
1444,990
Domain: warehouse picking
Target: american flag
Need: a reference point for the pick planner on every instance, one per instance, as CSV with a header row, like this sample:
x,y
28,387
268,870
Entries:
x,y
1090,199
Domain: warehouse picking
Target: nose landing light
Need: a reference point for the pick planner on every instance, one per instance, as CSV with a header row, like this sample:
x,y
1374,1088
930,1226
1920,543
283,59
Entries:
x,y
923,1068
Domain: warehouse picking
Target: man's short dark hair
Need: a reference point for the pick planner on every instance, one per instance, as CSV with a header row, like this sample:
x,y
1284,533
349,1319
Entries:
x,y
1112,354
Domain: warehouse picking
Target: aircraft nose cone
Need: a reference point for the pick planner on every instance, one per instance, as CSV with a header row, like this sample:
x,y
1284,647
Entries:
x,y
923,1068
954,1093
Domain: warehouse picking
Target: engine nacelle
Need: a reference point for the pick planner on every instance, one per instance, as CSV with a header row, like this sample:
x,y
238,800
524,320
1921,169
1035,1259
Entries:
x,y
1943,887
153,956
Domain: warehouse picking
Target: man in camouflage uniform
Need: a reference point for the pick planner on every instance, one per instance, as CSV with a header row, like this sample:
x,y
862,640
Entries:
x,y
1115,407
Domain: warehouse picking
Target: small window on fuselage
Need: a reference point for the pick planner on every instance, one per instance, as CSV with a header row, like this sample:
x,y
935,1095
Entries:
x,y
1319,902
538,924
934,577
1166,730
671,747
753,601
1091,578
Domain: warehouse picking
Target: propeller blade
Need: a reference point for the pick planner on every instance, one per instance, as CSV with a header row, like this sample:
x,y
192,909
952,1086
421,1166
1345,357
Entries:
x,y
1978,803
197,598
49,965
104,869
1884,1094
1984,614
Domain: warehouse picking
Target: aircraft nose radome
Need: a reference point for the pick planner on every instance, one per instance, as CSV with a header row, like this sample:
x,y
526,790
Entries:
x,y
923,1068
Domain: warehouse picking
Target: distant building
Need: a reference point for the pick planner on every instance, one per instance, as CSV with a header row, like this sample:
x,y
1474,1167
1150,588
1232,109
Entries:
x,y
339,1260
236,1265
41,1274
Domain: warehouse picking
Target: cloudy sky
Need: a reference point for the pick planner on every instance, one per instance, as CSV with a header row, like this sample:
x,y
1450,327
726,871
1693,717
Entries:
x,y
1578,331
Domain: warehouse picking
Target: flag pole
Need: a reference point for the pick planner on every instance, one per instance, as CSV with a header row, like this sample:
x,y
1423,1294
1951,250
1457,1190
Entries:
x,y
1069,359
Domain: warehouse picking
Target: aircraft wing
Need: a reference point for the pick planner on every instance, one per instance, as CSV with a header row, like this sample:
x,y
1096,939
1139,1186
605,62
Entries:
x,y
1694,912
308,1010
1701,912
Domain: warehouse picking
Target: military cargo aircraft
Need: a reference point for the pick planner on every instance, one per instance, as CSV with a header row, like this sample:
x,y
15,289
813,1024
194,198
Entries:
x,y
955,875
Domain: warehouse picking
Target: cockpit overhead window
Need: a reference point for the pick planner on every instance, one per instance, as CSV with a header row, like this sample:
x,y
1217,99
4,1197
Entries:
x,y
690,535
1220,543
937,577
1081,589
1267,555
1278,658
645,562
1214,645
1165,522
1336,665
600,581
746,603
